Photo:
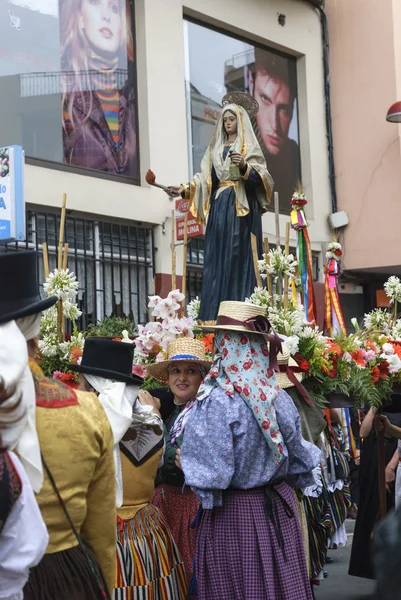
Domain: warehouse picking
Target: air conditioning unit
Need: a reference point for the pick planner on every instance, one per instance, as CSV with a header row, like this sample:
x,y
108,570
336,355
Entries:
x,y
338,220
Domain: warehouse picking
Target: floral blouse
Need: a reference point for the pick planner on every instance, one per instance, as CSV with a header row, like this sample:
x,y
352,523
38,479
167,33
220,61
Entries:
x,y
224,446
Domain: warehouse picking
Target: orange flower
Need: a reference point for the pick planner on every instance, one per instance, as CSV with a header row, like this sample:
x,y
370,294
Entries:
x,y
75,354
397,349
359,357
208,340
370,345
334,348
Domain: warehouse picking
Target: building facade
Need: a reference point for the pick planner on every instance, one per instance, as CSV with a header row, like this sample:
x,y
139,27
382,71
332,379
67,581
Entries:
x,y
365,61
71,70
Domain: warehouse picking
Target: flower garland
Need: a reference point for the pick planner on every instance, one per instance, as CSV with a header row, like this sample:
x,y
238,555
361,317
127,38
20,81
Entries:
x,y
54,356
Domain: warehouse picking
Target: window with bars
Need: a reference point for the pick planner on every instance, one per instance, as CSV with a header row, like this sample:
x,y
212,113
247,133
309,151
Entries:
x,y
113,262
195,260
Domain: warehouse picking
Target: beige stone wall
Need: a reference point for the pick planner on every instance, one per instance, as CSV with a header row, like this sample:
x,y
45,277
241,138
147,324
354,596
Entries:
x,y
365,64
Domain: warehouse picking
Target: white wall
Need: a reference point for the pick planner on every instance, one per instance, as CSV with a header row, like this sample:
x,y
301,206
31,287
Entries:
x,y
162,114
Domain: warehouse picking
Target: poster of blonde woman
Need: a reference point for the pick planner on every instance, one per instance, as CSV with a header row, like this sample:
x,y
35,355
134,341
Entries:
x,y
99,115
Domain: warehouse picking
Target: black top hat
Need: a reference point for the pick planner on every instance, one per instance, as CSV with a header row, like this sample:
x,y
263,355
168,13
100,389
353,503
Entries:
x,y
19,286
108,359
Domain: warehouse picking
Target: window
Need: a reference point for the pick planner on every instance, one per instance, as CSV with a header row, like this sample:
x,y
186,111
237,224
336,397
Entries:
x,y
218,63
113,262
67,85
195,259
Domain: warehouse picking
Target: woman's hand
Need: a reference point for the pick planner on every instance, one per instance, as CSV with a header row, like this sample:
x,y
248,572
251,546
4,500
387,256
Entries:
x,y
178,459
146,399
174,190
238,159
390,477
381,423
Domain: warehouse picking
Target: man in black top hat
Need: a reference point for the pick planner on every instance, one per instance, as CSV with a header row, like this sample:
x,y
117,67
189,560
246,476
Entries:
x,y
77,444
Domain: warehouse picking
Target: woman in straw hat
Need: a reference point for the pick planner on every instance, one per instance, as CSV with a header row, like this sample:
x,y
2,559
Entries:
x,y
233,189
148,562
242,453
184,370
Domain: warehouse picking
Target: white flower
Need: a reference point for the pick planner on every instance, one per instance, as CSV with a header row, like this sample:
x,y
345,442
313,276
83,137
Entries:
x,y
154,301
292,343
347,357
176,295
355,324
334,251
125,337
392,287
388,349
393,361
71,310
278,264
193,309
378,319
396,330
63,284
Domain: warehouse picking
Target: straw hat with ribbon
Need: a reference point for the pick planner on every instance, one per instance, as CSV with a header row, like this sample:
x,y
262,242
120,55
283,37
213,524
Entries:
x,y
247,318
291,374
182,349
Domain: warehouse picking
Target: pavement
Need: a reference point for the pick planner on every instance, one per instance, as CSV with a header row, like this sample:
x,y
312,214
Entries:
x,y
339,585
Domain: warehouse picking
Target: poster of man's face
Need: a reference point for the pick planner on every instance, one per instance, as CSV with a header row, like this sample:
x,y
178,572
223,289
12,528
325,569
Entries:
x,y
218,64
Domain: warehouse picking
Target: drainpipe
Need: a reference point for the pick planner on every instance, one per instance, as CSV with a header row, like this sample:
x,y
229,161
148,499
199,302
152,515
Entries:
x,y
318,5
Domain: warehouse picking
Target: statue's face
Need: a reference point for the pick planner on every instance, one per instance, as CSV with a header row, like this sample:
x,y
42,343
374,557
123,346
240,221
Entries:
x,y
230,123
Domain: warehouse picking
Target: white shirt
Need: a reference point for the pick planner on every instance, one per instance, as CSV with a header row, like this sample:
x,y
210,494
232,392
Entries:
x,y
23,540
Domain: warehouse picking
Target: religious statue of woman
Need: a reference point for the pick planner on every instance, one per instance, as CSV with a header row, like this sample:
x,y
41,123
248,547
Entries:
x,y
233,190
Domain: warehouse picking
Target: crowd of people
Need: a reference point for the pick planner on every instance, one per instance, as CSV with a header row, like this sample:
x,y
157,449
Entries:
x,y
231,485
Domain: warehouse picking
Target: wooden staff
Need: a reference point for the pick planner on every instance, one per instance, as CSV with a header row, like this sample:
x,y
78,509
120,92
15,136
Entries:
x,y
45,260
254,245
287,251
277,218
60,321
61,233
381,473
65,257
173,255
184,263
267,259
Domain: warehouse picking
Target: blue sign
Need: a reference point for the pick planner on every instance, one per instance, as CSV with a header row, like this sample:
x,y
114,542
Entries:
x,y
12,203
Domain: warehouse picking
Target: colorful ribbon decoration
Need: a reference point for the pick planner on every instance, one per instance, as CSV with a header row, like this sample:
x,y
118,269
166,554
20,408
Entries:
x,y
304,256
334,321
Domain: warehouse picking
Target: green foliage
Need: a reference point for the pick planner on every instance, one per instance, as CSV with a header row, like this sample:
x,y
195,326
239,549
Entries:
x,y
150,383
112,327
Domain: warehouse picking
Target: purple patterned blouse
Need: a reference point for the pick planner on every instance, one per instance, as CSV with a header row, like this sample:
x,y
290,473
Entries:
x,y
224,446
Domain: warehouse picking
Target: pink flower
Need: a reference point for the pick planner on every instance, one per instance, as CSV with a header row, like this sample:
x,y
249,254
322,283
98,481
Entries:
x,y
139,370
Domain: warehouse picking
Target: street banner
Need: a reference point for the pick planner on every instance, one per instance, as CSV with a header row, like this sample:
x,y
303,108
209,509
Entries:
x,y
12,203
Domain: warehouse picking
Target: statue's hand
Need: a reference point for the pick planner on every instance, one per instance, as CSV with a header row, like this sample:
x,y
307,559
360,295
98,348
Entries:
x,y
174,190
237,159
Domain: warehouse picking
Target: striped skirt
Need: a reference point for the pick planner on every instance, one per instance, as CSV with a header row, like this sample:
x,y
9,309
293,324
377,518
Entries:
x,y
149,566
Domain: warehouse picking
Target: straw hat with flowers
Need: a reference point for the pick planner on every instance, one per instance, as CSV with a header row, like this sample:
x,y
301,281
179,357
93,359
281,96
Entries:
x,y
182,349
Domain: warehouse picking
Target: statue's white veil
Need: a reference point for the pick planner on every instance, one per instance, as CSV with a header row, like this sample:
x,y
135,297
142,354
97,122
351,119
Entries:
x,y
246,144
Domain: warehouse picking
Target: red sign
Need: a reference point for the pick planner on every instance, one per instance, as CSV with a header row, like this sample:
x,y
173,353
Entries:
x,y
194,229
182,206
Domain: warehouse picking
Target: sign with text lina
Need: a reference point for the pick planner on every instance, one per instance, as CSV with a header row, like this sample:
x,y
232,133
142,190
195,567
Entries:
x,y
194,229
12,204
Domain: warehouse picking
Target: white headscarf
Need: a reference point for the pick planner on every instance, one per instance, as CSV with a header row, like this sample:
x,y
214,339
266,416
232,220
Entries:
x,y
247,145
117,399
28,447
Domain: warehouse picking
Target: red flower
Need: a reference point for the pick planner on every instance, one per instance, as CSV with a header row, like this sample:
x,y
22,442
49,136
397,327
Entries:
x,y
359,357
265,351
234,368
332,374
266,425
246,391
263,396
302,362
225,353
248,364
237,388
208,340
338,252
243,340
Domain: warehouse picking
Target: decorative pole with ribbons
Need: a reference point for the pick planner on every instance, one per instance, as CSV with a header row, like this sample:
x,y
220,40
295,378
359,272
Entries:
x,y
334,321
304,255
